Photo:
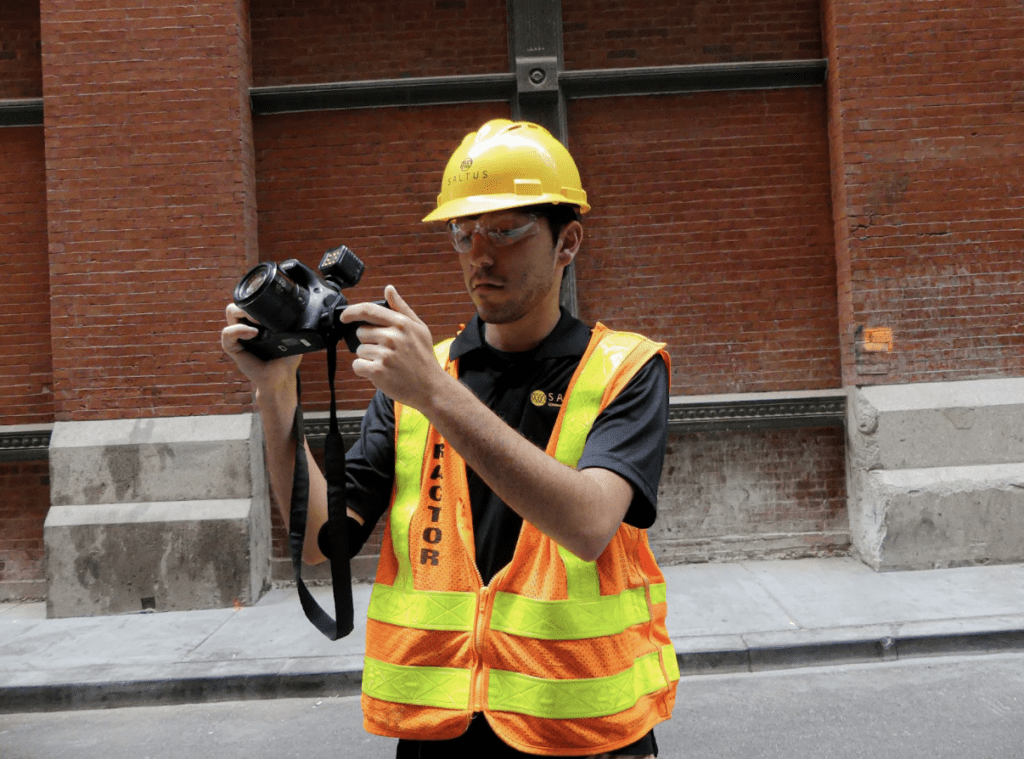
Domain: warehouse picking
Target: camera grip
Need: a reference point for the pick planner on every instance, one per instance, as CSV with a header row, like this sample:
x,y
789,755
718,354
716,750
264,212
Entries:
x,y
268,345
349,334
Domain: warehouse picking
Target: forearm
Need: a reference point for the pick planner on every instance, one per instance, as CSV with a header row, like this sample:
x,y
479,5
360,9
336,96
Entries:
x,y
277,411
580,510
276,397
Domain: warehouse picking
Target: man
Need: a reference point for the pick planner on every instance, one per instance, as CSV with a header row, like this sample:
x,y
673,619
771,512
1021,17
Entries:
x,y
517,609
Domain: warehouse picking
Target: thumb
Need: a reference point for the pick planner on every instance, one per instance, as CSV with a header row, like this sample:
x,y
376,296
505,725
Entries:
x,y
398,303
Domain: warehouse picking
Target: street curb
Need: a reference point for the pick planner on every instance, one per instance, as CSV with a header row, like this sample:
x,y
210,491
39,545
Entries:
x,y
884,648
695,658
60,697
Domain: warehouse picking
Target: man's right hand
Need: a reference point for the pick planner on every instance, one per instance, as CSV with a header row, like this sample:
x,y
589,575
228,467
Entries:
x,y
267,376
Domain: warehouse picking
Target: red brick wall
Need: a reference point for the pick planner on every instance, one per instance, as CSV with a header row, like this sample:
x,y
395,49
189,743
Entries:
x,y
712,230
25,370
315,41
26,499
151,202
26,375
927,133
656,33
365,178
758,494
20,59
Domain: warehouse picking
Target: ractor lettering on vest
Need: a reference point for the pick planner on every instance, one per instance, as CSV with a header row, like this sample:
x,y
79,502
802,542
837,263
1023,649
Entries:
x,y
434,535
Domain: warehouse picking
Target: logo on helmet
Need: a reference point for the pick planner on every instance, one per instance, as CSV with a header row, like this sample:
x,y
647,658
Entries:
x,y
466,176
467,164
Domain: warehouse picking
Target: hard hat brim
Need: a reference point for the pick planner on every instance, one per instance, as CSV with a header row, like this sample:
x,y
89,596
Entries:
x,y
475,205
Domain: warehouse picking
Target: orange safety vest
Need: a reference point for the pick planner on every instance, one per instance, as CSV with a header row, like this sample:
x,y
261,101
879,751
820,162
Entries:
x,y
562,656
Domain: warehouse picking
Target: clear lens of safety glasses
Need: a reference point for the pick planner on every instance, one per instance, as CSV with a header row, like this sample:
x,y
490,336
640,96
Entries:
x,y
499,236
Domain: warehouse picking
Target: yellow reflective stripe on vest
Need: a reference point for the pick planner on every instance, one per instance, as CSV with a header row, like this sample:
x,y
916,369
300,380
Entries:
x,y
572,619
514,614
440,687
582,407
668,655
577,699
412,440
410,446
584,402
423,609
448,688
581,579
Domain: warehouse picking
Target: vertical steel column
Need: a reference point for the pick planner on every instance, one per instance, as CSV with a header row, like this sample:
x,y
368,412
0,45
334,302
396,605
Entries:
x,y
535,49
535,46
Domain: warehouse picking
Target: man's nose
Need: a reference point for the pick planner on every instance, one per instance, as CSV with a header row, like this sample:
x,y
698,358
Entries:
x,y
481,252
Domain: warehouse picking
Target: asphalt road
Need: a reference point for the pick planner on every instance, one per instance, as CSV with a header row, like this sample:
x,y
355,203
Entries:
x,y
962,708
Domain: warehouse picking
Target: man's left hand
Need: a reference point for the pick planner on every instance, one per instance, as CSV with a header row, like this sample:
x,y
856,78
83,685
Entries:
x,y
396,352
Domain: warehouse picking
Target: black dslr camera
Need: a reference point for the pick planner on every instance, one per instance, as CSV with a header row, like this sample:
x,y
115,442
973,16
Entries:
x,y
298,310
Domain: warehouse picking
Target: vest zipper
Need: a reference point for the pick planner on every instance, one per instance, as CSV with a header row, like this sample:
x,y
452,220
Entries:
x,y
478,685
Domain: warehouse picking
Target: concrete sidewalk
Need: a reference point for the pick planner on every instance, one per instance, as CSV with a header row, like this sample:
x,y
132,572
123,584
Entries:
x,y
745,616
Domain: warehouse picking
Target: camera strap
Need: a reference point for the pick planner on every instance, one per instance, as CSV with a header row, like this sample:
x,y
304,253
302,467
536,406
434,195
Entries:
x,y
337,518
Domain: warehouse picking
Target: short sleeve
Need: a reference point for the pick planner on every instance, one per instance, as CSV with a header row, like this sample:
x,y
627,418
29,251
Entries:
x,y
629,438
370,462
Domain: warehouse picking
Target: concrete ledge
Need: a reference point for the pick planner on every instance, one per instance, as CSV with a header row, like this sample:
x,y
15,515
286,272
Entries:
x,y
941,424
140,513
172,459
124,558
935,473
156,514
949,516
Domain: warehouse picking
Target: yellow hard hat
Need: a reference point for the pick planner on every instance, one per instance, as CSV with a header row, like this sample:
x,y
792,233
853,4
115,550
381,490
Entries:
x,y
507,164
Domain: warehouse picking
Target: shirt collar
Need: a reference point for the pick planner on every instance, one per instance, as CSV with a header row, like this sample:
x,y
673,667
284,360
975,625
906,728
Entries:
x,y
570,337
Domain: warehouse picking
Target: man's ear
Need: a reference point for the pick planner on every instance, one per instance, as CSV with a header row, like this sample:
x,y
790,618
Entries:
x,y
569,242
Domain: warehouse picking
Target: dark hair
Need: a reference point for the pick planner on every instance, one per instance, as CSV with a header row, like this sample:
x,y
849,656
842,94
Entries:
x,y
559,215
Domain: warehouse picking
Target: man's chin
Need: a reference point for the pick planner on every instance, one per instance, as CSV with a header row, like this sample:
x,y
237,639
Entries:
x,y
495,318
491,314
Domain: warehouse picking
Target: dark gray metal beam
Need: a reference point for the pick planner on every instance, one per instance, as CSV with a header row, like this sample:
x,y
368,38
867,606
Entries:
x,y
672,80
25,445
749,412
380,93
686,415
21,112
587,83
535,52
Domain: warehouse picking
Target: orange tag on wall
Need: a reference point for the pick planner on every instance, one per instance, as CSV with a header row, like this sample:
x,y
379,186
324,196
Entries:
x,y
877,339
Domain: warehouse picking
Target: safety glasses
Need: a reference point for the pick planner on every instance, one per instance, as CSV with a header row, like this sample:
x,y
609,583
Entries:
x,y
498,234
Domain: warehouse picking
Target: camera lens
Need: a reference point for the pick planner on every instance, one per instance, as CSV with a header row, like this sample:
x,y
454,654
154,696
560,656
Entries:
x,y
267,295
252,282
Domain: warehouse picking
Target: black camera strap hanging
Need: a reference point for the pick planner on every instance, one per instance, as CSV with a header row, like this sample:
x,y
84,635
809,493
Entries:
x,y
338,552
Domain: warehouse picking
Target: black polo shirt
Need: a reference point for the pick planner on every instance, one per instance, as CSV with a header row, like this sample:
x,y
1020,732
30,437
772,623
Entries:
x,y
526,391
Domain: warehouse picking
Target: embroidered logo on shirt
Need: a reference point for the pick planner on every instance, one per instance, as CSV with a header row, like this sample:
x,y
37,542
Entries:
x,y
539,398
